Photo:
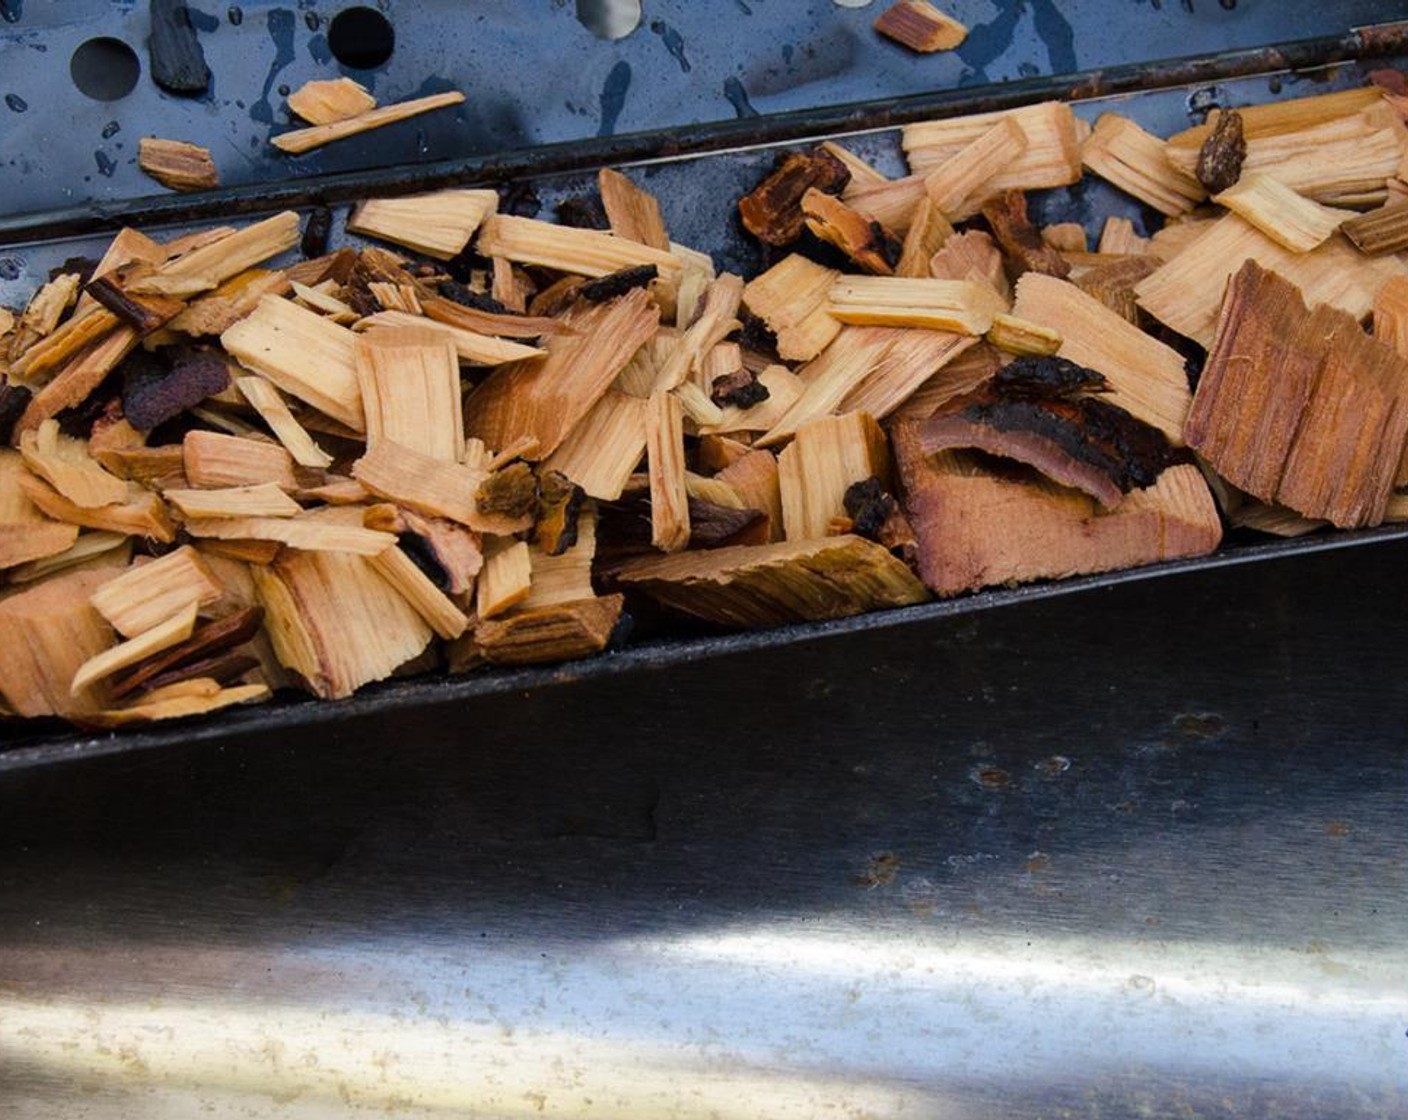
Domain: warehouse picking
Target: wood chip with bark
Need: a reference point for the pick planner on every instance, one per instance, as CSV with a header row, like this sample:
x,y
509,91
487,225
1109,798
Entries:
x,y
177,164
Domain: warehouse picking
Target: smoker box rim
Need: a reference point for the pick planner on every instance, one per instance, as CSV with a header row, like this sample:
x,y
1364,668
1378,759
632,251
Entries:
x,y
654,655
1360,44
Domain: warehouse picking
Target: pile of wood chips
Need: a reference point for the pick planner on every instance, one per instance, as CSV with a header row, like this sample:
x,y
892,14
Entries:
x,y
227,476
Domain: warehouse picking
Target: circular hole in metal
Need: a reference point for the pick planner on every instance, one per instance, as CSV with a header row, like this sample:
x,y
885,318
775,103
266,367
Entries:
x,y
609,19
104,69
361,38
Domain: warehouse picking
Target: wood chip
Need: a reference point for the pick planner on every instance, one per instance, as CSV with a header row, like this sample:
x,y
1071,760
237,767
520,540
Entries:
x,y
143,514
1051,157
857,234
969,170
439,224
1384,230
410,388
1286,217
669,500
547,397
928,231
64,463
585,252
790,298
634,213
266,400
824,459
1147,378
1298,406
921,27
434,607
161,637
506,579
266,500
213,460
980,528
960,306
557,633
605,447
177,164
1122,153
330,100
50,631
304,354
335,621
302,140
772,585
1186,292
147,595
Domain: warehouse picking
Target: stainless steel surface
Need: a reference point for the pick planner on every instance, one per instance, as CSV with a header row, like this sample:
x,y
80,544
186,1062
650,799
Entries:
x,y
1136,852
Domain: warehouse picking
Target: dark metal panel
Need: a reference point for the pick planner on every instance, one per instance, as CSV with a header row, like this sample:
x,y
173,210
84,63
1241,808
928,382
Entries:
x,y
535,76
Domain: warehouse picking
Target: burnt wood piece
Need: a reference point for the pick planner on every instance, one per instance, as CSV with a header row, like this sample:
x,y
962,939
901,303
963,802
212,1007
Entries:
x,y
1020,240
314,242
177,61
1088,444
145,313
772,211
617,283
983,522
559,508
1047,376
219,637
465,296
153,393
1221,156
741,388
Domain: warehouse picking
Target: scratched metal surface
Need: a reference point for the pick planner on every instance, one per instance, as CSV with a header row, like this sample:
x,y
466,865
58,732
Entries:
x,y
1136,852
534,75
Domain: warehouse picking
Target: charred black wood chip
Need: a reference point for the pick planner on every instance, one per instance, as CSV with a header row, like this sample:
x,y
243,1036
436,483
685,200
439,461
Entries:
x,y
468,297
869,507
755,335
741,388
78,421
177,61
584,211
1083,442
316,233
422,555
1031,376
153,393
14,399
1221,156
617,283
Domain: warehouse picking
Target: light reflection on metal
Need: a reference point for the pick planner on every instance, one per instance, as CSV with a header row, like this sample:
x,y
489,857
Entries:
x,y
773,1020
